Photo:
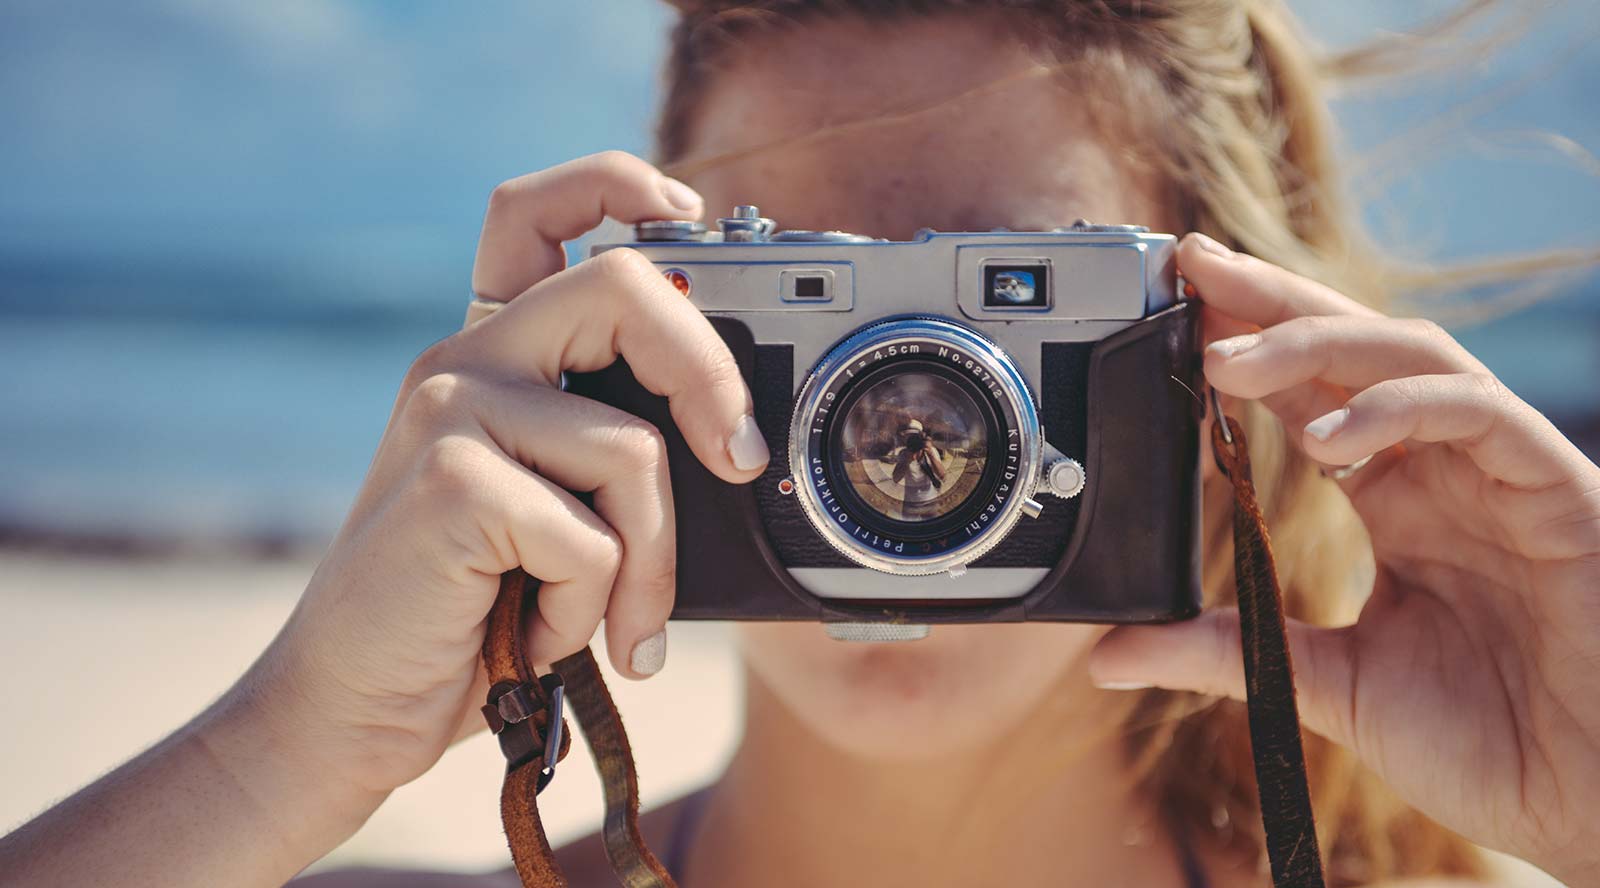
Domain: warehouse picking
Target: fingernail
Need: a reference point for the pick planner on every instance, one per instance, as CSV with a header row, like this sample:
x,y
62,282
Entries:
x,y
747,448
1234,346
680,195
1323,427
649,655
1122,685
1212,247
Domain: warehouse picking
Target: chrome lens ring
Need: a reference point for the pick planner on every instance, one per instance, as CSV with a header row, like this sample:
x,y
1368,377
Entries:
x,y
989,512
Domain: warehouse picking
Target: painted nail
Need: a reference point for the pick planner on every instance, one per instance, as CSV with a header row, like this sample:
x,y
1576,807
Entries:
x,y
746,446
1122,685
1324,427
680,195
1212,247
649,655
1234,346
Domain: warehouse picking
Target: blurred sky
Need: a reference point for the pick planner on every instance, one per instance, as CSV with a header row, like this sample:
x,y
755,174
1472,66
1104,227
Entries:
x,y
227,227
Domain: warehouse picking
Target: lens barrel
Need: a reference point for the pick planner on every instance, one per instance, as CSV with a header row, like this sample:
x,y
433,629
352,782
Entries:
x,y
914,445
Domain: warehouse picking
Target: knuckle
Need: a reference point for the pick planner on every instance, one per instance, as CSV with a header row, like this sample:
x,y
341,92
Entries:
x,y
633,283
504,193
1405,394
607,556
433,360
1307,332
437,397
1429,331
1487,388
718,367
627,268
615,162
1310,324
661,585
453,470
641,443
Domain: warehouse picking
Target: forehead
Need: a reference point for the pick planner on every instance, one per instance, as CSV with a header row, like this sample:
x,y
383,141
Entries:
x,y
948,122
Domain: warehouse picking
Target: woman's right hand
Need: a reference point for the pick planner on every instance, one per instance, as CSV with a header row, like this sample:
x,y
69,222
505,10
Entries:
x,y
378,666
376,671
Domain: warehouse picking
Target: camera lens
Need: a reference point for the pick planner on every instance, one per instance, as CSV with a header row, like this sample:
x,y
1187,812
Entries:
x,y
914,445
913,442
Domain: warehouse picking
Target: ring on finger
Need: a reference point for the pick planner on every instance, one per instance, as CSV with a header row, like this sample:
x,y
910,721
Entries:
x,y
481,307
1343,472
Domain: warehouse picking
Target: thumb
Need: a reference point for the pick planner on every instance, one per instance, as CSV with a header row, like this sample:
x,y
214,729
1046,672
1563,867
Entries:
x,y
1203,655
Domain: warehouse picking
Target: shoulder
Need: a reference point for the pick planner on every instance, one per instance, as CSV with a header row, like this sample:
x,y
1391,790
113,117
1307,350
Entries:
x,y
583,861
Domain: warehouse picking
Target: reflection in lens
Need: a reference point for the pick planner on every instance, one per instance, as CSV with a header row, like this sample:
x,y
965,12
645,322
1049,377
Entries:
x,y
914,446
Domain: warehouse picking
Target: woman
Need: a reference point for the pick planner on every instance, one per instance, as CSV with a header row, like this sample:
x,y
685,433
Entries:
x,y
918,470
1464,694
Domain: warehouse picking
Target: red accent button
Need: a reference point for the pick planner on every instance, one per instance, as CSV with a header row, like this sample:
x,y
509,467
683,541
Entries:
x,y
679,278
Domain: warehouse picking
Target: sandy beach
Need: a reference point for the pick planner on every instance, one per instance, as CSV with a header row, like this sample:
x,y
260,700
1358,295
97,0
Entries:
x,y
151,641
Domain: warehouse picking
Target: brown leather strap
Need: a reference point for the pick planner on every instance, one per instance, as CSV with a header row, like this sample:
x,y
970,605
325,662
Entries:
x,y
1291,832
519,712
630,859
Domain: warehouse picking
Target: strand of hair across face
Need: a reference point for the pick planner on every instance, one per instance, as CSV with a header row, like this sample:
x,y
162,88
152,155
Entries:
x,y
688,168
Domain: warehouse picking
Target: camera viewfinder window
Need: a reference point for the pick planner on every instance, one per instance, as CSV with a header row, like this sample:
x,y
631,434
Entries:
x,y
1016,285
808,286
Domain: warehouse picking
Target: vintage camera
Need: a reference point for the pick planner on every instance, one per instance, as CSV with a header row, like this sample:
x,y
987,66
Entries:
x,y
965,427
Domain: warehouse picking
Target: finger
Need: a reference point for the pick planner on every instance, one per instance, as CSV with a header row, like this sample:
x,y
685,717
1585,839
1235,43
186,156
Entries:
x,y
1341,349
1504,437
619,305
1257,292
587,446
1300,405
471,721
509,517
1203,655
1216,326
530,216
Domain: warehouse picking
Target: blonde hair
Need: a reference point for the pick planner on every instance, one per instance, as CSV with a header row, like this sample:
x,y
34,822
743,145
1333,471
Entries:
x,y
1237,124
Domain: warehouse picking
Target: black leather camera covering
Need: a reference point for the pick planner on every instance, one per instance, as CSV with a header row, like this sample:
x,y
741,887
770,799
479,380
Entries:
x,y
1127,549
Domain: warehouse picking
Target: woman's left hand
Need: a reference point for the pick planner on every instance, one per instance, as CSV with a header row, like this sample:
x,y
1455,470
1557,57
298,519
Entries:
x,y
1471,681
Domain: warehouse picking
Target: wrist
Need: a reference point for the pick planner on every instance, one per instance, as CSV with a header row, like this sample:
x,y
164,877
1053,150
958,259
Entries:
x,y
258,741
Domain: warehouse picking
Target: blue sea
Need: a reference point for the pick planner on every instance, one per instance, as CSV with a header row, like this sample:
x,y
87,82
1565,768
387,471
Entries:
x,y
223,399
210,398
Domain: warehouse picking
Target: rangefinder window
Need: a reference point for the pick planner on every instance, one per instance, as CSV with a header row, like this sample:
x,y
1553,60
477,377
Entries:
x,y
1016,285
806,285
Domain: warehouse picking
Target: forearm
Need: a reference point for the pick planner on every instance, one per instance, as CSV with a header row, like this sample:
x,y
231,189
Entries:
x,y
232,798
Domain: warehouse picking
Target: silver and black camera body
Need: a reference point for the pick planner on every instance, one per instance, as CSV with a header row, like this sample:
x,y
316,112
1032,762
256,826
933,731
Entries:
x,y
965,427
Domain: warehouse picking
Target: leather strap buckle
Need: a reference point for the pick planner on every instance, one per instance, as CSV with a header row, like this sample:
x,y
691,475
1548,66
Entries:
x,y
510,713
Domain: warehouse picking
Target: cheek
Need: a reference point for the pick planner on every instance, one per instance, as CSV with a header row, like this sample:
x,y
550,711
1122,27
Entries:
x,y
957,689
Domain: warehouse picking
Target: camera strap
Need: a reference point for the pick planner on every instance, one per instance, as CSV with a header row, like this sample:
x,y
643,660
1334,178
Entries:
x,y
1280,760
525,711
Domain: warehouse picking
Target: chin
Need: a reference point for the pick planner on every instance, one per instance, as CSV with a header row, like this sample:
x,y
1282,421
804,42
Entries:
x,y
959,689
